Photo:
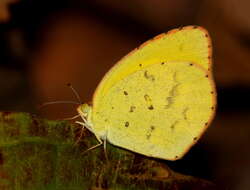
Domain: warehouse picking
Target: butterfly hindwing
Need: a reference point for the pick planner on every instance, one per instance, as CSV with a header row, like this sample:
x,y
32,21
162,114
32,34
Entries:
x,y
160,110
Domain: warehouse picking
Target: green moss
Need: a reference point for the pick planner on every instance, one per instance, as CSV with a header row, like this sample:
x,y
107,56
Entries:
x,y
38,154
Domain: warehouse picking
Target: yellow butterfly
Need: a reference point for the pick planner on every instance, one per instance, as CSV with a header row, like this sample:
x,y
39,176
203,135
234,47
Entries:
x,y
159,99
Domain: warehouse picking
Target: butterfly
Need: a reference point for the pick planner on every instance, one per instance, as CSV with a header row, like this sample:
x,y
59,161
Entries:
x,y
159,99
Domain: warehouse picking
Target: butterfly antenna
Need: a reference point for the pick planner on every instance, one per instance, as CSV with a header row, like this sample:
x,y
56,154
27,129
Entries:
x,y
72,118
75,93
57,102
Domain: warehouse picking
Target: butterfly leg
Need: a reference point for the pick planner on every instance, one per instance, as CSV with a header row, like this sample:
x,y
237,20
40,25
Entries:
x,y
104,142
84,125
95,146
77,141
105,146
99,140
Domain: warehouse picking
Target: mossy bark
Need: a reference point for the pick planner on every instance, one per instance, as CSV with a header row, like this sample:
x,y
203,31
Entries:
x,y
38,154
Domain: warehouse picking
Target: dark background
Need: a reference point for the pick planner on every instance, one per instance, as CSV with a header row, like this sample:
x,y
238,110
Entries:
x,y
46,44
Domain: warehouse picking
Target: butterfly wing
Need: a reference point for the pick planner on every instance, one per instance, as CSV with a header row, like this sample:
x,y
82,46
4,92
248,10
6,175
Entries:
x,y
189,43
160,110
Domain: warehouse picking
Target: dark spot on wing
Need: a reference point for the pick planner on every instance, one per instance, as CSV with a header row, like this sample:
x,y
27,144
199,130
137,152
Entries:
x,y
206,123
194,27
112,107
180,28
206,35
162,63
173,125
191,64
132,109
148,76
140,65
125,93
206,76
147,98
151,107
126,124
149,133
195,138
176,157
212,108
212,92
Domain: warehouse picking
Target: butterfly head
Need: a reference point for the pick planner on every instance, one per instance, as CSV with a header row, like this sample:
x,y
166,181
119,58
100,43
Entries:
x,y
84,110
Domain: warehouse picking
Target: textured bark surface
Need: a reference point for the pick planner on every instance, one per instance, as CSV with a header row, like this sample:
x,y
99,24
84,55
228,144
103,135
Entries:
x,y
39,154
